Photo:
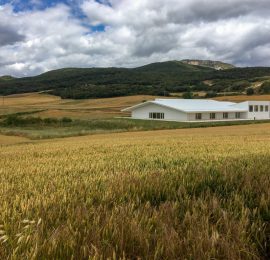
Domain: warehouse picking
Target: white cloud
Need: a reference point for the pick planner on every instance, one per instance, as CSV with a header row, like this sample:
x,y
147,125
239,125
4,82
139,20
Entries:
x,y
136,33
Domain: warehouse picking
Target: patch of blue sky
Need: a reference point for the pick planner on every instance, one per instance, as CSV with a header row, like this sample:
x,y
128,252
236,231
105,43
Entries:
x,y
21,5
98,28
104,2
29,5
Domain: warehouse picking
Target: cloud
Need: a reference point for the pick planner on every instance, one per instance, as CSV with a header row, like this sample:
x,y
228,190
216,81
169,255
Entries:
x,y
9,36
171,11
86,33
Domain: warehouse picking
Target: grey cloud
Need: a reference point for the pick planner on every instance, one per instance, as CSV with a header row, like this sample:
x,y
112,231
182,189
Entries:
x,y
213,10
155,41
9,36
256,38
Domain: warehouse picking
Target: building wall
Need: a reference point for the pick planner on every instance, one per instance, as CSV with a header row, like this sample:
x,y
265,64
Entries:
x,y
174,115
258,115
219,116
169,114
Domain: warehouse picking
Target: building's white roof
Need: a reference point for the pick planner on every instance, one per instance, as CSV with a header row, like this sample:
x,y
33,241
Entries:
x,y
194,105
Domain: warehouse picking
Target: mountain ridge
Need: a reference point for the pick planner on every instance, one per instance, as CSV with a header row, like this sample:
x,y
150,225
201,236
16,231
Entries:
x,y
155,79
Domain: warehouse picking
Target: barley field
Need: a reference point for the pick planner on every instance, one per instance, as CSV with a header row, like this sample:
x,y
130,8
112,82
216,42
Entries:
x,y
172,194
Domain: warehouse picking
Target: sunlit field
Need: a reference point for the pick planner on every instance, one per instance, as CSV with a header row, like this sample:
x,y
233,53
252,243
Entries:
x,y
45,105
172,194
5,140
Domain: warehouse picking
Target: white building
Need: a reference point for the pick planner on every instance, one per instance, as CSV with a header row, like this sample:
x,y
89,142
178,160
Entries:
x,y
199,110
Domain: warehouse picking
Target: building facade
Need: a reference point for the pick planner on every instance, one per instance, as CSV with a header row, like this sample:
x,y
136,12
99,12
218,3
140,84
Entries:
x,y
189,110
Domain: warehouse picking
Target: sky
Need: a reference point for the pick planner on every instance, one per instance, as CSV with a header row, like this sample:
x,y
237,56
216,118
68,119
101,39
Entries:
x,y
41,35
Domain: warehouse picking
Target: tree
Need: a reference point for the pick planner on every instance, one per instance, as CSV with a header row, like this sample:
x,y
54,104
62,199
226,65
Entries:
x,y
265,88
210,94
240,85
187,95
250,91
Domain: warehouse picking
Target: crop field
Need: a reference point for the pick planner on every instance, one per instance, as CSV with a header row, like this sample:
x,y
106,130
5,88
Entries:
x,y
44,105
51,106
171,194
6,140
41,116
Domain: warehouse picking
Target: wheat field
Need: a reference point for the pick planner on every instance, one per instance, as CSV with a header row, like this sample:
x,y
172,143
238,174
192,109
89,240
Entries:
x,y
172,194
7,140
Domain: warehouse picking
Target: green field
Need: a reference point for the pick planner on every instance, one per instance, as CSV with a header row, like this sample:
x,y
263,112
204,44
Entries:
x,y
35,129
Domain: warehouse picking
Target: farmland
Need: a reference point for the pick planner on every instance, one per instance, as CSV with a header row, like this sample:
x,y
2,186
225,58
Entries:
x,y
42,116
172,194
51,106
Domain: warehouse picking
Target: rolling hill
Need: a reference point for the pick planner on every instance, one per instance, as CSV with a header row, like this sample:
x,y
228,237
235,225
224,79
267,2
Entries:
x,y
6,78
155,79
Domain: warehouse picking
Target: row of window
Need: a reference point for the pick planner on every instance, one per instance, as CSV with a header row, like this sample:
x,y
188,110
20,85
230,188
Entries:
x,y
256,108
198,116
154,115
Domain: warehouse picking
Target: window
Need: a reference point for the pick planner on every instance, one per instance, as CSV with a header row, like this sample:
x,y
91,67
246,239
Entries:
x,y
256,108
237,115
250,108
212,115
225,115
261,108
198,116
266,108
154,115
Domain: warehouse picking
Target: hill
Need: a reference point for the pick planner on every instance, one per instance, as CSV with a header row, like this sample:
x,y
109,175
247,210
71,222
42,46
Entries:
x,y
217,65
5,78
153,79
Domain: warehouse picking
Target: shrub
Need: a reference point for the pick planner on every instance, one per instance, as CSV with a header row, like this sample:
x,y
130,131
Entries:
x,y
50,121
265,88
187,95
14,120
210,94
250,91
240,85
66,120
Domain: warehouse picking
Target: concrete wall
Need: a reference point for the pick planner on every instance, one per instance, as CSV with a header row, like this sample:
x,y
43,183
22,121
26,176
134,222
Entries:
x,y
259,115
169,114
